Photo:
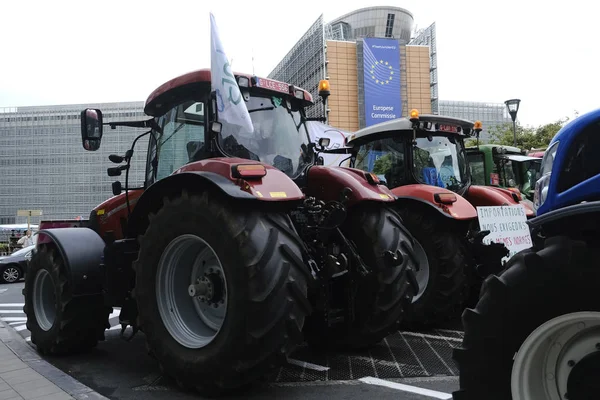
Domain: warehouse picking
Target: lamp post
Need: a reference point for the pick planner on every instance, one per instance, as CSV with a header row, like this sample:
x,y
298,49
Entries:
x,y
513,109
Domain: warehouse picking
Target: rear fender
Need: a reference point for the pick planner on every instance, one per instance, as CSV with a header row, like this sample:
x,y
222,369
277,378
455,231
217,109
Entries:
x,y
56,224
482,196
81,250
461,209
576,217
328,183
275,187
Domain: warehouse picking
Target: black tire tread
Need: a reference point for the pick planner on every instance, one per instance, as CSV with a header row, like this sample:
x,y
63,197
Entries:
x,y
80,322
535,287
382,299
276,300
449,285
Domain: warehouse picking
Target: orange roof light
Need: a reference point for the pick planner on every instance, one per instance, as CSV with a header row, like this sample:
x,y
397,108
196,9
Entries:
x,y
478,125
324,85
414,114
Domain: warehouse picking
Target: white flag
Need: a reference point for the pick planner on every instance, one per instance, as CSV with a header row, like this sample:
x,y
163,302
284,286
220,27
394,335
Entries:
x,y
230,103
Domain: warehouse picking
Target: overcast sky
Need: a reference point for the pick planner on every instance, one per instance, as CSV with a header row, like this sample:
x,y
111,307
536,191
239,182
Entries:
x,y
64,52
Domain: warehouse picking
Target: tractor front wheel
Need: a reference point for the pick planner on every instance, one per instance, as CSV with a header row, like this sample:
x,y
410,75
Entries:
x,y
221,291
535,332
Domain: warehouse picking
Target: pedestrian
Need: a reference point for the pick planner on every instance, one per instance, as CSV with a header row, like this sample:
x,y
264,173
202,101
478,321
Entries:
x,y
26,240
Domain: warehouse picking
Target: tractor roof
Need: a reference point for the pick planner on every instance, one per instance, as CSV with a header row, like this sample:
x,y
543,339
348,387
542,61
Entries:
x,y
167,93
490,147
433,123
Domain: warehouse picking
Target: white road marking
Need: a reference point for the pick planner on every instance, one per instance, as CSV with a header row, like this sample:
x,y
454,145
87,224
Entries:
x,y
425,335
394,357
438,356
413,353
450,331
406,388
12,305
11,319
11,311
18,322
20,328
3,290
304,364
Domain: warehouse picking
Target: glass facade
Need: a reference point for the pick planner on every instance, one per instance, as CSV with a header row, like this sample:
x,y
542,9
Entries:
x,y
304,65
426,37
381,22
43,165
490,114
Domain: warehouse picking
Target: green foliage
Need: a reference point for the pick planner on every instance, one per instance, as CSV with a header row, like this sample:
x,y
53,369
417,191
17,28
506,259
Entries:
x,y
471,142
382,164
527,137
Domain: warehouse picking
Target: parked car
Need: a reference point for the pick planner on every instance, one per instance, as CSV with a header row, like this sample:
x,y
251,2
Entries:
x,y
14,267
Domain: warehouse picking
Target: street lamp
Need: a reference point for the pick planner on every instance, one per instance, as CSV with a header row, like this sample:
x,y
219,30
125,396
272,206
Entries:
x,y
513,109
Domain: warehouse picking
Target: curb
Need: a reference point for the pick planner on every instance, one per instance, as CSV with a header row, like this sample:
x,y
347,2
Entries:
x,y
17,344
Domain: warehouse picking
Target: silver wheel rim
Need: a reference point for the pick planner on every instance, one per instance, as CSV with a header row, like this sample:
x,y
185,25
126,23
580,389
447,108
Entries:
x,y
44,300
542,365
11,274
422,274
191,291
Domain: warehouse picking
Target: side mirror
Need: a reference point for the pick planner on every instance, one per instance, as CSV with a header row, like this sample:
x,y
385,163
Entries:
x,y
216,127
324,143
512,183
91,128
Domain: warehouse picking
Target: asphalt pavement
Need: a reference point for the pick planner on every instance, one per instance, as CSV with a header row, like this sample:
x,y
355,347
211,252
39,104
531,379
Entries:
x,y
406,366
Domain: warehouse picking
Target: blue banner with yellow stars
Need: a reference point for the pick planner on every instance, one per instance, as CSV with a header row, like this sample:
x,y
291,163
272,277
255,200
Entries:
x,y
382,80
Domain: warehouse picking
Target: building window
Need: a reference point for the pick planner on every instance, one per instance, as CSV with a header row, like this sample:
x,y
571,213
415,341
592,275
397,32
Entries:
x,y
389,27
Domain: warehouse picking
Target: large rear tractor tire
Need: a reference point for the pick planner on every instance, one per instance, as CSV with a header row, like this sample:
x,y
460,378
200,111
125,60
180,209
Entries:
x,y
382,298
221,290
59,323
535,332
443,282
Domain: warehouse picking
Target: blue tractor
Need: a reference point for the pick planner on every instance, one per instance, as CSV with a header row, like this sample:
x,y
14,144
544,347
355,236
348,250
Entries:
x,y
535,332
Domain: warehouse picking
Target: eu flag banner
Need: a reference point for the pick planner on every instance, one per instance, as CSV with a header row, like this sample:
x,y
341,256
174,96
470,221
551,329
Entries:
x,y
382,80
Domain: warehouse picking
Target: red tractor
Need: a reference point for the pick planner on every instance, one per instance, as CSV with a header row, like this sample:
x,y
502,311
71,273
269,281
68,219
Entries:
x,y
235,249
423,160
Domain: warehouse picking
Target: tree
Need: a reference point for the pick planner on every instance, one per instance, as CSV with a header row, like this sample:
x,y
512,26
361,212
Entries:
x,y
382,164
527,137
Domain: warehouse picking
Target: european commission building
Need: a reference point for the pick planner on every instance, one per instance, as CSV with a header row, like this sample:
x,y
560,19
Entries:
x,y
43,165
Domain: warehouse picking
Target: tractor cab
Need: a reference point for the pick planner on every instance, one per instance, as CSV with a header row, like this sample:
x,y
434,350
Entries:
x,y
429,149
504,166
186,127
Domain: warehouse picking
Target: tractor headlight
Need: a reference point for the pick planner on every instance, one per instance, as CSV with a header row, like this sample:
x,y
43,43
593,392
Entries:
x,y
541,186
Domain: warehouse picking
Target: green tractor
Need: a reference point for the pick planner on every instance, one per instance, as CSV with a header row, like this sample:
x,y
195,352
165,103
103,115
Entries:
x,y
504,166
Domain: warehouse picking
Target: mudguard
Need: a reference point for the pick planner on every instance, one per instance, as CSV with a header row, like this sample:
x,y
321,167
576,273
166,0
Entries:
x,y
592,207
54,224
481,196
275,186
81,250
328,184
461,209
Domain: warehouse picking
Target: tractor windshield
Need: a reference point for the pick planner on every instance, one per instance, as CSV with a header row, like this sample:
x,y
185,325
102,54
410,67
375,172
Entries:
x,y
383,157
440,161
279,139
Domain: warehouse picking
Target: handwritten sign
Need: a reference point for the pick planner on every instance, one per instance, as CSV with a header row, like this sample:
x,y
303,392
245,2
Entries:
x,y
508,225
